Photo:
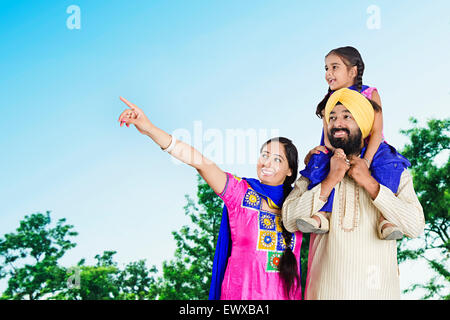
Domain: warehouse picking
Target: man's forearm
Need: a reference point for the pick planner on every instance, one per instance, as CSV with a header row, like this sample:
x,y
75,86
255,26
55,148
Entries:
x,y
402,209
327,186
372,187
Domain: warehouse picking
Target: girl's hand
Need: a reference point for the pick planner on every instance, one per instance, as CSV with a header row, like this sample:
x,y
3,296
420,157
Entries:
x,y
316,150
135,116
213,175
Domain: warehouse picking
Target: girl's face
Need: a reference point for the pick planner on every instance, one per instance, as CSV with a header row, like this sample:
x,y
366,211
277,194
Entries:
x,y
273,166
337,74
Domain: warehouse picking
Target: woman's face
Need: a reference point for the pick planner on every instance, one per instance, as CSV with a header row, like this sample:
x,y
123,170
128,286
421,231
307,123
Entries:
x,y
273,166
337,74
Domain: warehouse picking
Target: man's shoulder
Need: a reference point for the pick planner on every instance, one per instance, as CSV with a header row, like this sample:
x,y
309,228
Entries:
x,y
406,175
302,182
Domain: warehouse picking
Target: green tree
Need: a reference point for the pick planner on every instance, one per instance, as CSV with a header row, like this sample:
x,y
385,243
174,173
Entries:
x,y
98,282
431,183
105,281
188,275
137,282
30,257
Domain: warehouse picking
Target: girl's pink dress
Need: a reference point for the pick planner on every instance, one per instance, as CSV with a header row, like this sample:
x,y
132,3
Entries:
x,y
257,245
368,92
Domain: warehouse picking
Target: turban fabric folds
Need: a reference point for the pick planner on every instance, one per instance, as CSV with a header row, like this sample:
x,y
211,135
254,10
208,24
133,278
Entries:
x,y
358,105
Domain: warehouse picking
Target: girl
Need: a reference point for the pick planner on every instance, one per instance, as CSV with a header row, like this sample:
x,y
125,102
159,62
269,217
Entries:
x,y
344,68
263,259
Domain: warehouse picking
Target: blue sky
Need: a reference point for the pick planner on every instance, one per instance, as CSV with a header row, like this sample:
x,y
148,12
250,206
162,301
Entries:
x,y
234,64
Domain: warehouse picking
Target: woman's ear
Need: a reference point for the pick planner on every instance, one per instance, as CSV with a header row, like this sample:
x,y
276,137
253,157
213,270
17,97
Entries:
x,y
290,173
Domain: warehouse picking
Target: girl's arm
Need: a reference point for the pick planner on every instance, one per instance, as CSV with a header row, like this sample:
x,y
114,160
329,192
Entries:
x,y
316,149
325,136
213,175
376,137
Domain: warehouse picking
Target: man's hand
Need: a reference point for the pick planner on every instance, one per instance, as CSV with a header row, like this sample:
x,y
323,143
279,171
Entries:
x,y
360,173
339,166
359,170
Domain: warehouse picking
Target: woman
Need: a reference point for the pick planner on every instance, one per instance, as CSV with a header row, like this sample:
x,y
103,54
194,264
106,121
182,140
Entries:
x,y
256,258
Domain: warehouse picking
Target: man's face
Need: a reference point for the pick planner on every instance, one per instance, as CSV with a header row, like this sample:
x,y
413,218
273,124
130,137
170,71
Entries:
x,y
343,131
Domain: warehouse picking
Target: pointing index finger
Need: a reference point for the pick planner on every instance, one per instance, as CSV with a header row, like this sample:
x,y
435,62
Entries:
x,y
128,103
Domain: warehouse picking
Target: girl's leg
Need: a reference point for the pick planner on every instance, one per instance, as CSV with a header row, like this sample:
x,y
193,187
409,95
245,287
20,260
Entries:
x,y
318,223
388,231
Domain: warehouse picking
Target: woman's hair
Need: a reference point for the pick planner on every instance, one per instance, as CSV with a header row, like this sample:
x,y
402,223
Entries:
x,y
351,57
288,266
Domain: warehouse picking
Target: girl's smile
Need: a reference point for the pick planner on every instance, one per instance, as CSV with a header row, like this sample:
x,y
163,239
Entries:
x,y
331,81
337,74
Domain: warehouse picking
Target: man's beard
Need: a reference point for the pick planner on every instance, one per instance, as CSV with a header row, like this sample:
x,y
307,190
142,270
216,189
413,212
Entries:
x,y
352,145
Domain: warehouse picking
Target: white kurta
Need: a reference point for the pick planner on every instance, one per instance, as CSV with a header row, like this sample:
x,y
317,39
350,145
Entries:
x,y
350,261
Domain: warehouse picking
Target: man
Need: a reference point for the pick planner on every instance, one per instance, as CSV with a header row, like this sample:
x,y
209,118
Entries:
x,y
350,261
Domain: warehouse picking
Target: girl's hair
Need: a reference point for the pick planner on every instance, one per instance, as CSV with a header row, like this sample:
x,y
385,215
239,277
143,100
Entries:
x,y
288,266
376,107
351,57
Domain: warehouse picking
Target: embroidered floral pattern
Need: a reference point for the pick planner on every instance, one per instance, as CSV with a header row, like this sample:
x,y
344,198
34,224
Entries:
x,y
270,236
267,240
271,239
267,221
251,200
273,261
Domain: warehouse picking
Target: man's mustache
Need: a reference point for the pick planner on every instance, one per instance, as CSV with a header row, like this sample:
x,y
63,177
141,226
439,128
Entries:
x,y
333,131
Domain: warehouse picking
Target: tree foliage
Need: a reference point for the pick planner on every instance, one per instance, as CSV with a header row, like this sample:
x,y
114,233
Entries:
x,y
30,262
105,281
30,257
428,147
137,282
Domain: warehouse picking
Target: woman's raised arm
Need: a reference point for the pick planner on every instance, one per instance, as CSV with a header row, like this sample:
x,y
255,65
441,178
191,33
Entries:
x,y
213,175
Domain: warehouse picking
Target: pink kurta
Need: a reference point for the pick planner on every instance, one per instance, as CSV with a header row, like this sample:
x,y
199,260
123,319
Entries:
x,y
257,245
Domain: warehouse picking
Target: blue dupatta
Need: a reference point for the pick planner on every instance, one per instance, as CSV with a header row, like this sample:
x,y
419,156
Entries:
x,y
387,167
